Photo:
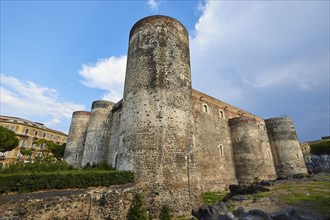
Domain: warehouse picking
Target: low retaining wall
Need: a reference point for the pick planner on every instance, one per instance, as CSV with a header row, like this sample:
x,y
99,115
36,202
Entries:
x,y
93,203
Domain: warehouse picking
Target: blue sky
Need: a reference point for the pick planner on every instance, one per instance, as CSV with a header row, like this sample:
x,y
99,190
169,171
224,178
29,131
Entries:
x,y
270,58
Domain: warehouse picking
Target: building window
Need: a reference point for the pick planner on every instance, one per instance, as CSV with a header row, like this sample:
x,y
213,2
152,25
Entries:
x,y
297,156
26,131
221,114
258,126
19,155
119,115
205,108
75,156
36,133
44,135
23,144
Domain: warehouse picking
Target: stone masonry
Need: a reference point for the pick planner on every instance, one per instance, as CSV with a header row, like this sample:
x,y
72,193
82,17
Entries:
x,y
179,142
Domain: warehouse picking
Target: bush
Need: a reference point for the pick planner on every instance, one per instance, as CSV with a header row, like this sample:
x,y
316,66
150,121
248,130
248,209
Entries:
x,y
100,166
137,211
321,148
35,167
166,213
29,182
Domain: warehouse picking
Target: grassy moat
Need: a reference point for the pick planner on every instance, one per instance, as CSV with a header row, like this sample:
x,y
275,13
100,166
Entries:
x,y
311,194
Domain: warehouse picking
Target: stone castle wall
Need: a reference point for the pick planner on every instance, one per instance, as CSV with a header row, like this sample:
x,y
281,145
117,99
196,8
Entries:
x,y
93,203
286,149
115,135
156,124
251,149
179,142
98,133
76,139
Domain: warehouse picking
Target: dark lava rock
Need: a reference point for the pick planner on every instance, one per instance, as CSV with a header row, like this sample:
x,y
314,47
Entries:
x,y
246,190
294,214
238,198
217,211
256,214
265,183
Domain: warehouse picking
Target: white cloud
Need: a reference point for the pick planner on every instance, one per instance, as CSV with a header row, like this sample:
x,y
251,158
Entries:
x,y
260,44
153,4
29,100
267,57
106,74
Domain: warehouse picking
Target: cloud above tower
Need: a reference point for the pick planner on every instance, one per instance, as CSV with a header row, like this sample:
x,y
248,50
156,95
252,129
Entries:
x,y
106,74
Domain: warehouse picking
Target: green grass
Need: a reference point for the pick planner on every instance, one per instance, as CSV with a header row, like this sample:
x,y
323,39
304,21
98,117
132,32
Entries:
x,y
313,195
213,197
309,195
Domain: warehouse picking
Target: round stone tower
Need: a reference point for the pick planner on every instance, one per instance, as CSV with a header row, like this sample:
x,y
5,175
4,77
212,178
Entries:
x,y
76,139
156,121
98,133
286,149
251,149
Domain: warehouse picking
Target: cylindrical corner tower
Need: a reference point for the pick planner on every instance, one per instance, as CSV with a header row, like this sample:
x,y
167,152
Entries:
x,y
76,139
156,121
251,149
286,149
98,133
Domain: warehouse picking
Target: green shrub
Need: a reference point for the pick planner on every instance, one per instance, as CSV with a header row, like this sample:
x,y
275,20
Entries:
x,y
166,213
137,210
100,166
320,148
35,167
29,182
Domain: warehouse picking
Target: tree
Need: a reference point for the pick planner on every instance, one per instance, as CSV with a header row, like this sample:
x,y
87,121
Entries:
x,y
321,148
56,149
8,140
137,211
166,213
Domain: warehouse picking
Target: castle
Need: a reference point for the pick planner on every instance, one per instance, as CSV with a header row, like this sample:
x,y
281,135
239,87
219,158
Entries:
x,y
178,141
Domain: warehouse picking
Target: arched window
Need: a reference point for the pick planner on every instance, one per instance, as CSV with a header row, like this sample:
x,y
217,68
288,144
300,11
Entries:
x,y
269,154
205,108
222,115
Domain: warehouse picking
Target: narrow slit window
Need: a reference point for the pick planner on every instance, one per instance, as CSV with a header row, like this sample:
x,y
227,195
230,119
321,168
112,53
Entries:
x,y
222,114
221,150
269,154
205,108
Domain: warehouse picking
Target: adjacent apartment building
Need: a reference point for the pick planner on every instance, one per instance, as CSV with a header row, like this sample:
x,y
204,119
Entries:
x,y
28,132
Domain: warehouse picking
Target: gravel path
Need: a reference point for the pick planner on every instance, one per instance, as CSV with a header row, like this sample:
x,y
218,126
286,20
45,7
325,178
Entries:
x,y
48,195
